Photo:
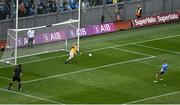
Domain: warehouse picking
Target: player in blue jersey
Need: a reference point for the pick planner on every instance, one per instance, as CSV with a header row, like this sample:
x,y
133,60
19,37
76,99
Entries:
x,y
159,75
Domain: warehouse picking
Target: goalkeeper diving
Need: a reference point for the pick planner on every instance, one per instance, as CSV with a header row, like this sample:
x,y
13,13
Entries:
x,y
73,51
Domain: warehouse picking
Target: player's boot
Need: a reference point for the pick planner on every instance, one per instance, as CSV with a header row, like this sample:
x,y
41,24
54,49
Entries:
x,y
66,62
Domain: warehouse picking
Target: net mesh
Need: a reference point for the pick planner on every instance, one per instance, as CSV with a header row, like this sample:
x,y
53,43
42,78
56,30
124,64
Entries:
x,y
52,38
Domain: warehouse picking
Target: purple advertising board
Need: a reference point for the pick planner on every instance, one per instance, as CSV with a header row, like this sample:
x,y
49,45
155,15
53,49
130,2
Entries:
x,y
70,33
41,38
98,29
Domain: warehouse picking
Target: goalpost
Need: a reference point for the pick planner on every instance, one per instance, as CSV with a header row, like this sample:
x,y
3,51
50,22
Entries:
x,y
48,38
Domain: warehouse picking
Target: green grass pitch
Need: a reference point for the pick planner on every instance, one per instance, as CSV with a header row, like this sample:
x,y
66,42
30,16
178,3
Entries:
x,y
121,70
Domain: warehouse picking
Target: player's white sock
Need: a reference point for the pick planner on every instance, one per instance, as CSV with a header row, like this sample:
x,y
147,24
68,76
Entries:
x,y
155,81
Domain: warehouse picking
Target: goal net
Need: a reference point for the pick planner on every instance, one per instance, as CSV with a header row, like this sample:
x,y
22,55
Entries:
x,y
52,38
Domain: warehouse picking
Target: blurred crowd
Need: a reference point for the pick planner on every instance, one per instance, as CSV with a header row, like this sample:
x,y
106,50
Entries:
x,y
5,8
27,7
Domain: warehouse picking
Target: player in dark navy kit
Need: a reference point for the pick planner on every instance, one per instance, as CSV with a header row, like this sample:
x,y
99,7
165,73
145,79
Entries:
x,y
16,77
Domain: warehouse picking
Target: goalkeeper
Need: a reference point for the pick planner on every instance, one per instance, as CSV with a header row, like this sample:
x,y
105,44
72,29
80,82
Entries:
x,y
73,51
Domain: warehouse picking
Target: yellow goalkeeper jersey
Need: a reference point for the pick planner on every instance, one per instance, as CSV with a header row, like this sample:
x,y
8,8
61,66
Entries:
x,y
74,50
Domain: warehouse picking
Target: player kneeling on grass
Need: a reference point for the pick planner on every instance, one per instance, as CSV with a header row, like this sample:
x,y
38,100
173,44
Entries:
x,y
159,75
16,77
73,51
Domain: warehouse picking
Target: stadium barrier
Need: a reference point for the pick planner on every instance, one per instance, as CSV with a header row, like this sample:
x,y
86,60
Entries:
x,y
157,19
123,25
92,30
2,45
179,13
97,29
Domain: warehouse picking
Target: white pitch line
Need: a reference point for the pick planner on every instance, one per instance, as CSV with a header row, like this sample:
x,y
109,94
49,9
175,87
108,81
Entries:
x,y
154,97
100,49
38,60
134,52
31,96
112,48
135,42
154,48
89,69
5,78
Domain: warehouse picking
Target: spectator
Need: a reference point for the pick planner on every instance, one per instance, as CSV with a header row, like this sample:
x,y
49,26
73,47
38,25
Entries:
x,y
52,6
26,7
60,6
40,7
77,5
4,10
115,1
46,7
30,8
99,2
72,4
117,13
83,5
108,1
30,11
68,5
22,10
1,11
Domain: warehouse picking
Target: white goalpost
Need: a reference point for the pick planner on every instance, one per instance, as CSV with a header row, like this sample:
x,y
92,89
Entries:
x,y
48,38
17,13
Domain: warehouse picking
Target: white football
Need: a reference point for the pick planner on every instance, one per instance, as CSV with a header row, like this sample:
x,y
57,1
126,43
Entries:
x,y
7,62
90,54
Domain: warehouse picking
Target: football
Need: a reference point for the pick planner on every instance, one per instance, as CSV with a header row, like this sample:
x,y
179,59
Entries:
x,y
7,62
90,54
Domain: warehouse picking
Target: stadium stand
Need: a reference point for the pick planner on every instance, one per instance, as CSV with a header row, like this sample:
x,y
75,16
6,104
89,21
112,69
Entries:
x,y
4,9
27,7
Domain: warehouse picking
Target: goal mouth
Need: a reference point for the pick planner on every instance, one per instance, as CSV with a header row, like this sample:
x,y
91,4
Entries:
x,y
47,39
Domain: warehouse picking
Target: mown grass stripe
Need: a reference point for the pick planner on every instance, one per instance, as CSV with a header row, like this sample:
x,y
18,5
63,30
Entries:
x,y
89,69
31,96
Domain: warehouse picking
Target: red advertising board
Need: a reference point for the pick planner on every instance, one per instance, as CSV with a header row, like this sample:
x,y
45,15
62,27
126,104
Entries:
x,y
178,13
123,25
2,43
158,19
